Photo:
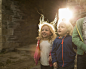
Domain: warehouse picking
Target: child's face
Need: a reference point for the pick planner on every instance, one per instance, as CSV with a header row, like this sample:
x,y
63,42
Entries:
x,y
45,31
62,30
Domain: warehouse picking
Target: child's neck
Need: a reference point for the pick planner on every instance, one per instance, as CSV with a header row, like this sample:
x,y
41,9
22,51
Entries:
x,y
62,36
45,38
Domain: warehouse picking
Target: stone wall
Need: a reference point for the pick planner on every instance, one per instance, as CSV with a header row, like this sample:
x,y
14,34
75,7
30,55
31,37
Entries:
x,y
0,25
8,24
19,25
20,20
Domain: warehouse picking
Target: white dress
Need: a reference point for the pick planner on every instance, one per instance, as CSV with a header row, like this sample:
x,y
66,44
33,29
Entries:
x,y
45,48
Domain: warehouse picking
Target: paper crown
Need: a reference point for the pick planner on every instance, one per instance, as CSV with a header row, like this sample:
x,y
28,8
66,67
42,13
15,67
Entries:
x,y
42,22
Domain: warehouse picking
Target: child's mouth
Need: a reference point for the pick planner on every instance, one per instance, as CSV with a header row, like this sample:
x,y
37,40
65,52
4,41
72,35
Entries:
x,y
59,31
44,33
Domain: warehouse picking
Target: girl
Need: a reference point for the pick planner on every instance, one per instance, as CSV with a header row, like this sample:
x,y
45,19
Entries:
x,y
46,37
62,52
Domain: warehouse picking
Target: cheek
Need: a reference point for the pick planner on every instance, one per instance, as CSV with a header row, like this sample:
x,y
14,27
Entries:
x,y
58,30
41,33
49,33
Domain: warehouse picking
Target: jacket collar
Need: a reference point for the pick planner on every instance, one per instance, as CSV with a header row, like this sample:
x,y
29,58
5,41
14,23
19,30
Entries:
x,y
62,37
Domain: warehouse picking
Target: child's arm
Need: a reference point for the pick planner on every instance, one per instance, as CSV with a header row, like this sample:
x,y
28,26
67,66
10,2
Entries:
x,y
76,37
50,58
53,53
37,53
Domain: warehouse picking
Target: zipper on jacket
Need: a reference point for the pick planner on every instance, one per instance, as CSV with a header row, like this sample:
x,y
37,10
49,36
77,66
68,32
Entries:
x,y
62,51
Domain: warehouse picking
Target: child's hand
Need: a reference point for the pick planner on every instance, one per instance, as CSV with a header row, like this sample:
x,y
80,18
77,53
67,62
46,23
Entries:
x,y
50,58
55,65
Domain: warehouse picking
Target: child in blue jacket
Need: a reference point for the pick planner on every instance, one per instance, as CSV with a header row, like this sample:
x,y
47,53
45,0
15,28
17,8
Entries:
x,y
62,53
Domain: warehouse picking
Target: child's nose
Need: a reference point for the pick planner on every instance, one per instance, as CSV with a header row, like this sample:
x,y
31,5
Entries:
x,y
44,31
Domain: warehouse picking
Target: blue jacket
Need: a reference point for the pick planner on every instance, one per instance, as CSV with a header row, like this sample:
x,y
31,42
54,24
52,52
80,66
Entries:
x,y
62,51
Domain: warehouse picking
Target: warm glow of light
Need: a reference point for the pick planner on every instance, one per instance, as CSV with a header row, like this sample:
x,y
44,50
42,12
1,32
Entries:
x,y
65,13
45,23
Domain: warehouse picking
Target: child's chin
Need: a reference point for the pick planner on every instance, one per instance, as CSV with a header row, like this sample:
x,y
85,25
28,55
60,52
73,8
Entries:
x,y
44,37
59,34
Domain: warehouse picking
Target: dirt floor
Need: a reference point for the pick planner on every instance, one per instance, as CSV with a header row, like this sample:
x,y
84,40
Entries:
x,y
14,60
22,58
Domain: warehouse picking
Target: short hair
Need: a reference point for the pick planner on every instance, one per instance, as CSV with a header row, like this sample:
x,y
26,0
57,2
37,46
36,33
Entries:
x,y
69,26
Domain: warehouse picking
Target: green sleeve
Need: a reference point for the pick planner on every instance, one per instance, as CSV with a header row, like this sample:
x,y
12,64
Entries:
x,y
77,38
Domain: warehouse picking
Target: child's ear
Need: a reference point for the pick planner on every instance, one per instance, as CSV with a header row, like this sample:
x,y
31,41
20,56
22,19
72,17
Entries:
x,y
67,32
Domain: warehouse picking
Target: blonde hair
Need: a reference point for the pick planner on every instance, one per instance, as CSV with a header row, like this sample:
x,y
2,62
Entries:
x,y
68,26
52,30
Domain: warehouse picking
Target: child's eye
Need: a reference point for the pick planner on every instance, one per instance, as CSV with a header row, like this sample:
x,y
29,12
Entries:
x,y
42,30
62,27
46,30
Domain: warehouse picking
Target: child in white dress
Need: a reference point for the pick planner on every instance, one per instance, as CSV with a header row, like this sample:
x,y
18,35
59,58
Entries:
x,y
46,37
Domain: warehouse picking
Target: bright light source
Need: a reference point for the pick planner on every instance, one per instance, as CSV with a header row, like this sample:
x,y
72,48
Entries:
x,y
65,13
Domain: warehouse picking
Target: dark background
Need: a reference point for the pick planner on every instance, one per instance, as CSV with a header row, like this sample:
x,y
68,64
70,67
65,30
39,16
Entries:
x,y
20,19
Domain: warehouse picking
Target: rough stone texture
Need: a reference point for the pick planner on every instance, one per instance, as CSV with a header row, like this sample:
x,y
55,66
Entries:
x,y
15,60
0,25
22,58
20,20
18,27
8,25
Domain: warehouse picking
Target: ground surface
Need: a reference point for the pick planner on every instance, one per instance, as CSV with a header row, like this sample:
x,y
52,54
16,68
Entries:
x,y
22,58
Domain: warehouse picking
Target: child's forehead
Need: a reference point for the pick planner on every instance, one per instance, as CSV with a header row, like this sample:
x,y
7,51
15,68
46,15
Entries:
x,y
45,26
62,23
48,25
